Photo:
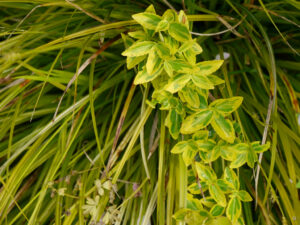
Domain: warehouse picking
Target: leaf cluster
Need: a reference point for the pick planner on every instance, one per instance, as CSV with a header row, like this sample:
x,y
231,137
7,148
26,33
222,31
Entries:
x,y
165,55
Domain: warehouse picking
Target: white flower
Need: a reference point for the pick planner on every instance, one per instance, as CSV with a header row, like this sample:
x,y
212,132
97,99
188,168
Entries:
x,y
61,191
111,215
91,206
100,187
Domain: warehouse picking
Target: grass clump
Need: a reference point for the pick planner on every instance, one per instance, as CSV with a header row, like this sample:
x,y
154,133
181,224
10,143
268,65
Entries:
x,y
103,154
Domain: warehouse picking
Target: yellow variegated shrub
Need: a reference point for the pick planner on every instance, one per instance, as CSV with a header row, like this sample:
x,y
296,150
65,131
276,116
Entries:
x,y
164,54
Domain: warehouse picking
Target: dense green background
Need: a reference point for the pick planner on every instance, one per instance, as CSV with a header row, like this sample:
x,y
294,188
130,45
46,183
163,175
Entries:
x,y
42,45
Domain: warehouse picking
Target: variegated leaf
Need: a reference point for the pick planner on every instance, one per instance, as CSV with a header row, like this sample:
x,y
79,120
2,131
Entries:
x,y
139,48
244,196
208,67
173,122
182,18
223,127
231,177
179,31
205,173
217,210
180,66
170,15
198,188
184,146
234,209
133,61
154,62
147,20
202,82
162,50
215,80
177,82
217,194
143,77
257,147
226,106
221,220
196,121
162,25
193,203
140,35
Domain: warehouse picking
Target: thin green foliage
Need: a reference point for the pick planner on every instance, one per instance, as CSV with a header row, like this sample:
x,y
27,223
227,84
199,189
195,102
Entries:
x,y
65,172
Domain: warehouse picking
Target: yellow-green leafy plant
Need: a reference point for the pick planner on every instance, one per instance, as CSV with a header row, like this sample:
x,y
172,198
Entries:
x,y
165,55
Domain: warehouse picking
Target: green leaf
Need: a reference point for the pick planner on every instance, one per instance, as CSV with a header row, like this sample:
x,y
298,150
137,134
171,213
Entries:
x,y
190,56
233,210
154,62
201,135
195,97
206,146
208,202
177,82
186,46
240,160
180,214
179,32
195,189
217,194
196,217
184,146
202,82
196,47
172,44
223,150
180,147
244,153
147,20
190,216
223,127
257,147
190,45
191,96
215,80
140,35
173,122
180,66
240,221
217,210
188,156
298,185
150,9
133,61
162,50
205,173
182,18
241,150
231,177
127,40
170,15
208,67
218,221
162,25
203,95
243,196
225,186
168,68
196,121
139,48
193,203
226,106
143,77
